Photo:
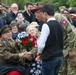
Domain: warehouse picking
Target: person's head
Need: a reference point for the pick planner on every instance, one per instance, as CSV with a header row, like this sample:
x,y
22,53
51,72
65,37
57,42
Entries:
x,y
20,16
14,29
34,24
14,8
66,13
6,32
32,28
33,31
1,7
48,11
8,9
62,19
72,13
29,7
39,15
61,9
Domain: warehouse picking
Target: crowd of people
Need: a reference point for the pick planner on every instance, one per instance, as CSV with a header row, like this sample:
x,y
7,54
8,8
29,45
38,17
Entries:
x,y
53,36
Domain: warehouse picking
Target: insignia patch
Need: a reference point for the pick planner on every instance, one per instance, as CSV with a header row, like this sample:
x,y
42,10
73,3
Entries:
x,y
63,22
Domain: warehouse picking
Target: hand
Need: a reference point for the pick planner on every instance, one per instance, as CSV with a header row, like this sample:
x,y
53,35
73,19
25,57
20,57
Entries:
x,y
38,58
18,41
15,12
27,55
71,54
22,54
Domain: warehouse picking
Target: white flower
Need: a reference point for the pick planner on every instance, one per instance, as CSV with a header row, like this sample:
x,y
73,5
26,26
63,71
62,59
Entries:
x,y
22,34
19,35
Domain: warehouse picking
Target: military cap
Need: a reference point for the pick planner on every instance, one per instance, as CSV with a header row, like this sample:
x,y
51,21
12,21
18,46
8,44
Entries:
x,y
37,8
32,25
4,29
35,24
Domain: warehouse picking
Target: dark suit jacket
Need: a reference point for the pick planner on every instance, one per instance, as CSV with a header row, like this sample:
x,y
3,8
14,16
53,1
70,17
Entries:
x,y
30,18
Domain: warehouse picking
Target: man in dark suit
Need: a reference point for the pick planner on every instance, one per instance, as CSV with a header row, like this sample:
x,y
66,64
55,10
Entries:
x,y
29,16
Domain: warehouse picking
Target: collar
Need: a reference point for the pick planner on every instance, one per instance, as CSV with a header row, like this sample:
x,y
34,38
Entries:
x,y
52,18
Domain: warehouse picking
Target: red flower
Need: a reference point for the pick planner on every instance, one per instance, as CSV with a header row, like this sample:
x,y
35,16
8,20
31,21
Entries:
x,y
34,41
24,40
35,55
30,36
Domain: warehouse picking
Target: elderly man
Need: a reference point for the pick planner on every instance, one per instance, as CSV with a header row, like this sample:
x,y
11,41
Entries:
x,y
12,15
10,56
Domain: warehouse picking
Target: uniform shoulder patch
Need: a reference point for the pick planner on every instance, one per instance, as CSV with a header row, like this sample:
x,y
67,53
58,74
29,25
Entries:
x,y
64,22
2,43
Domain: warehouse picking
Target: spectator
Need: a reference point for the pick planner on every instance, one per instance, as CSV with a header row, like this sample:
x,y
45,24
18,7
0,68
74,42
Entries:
x,y
73,16
29,16
14,31
12,14
35,67
21,22
2,23
67,14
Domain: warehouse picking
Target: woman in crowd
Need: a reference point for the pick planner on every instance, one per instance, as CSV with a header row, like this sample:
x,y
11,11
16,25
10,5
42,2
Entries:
x,y
22,23
34,66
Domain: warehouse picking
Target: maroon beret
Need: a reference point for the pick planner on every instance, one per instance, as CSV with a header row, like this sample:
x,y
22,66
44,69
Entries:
x,y
37,8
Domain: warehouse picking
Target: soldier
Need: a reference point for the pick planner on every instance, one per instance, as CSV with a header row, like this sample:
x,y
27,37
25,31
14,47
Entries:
x,y
69,44
9,55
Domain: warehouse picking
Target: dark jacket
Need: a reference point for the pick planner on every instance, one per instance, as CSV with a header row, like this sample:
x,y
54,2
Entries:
x,y
10,17
74,22
2,23
30,18
54,44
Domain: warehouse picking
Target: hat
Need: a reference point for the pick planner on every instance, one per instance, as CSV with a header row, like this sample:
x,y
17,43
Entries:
x,y
37,8
35,24
4,29
32,25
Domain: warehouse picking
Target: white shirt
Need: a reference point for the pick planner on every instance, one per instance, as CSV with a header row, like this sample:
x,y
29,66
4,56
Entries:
x,y
44,35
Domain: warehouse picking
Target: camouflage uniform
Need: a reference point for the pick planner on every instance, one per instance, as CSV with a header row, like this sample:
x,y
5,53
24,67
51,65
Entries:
x,y
72,60
69,41
8,50
9,55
